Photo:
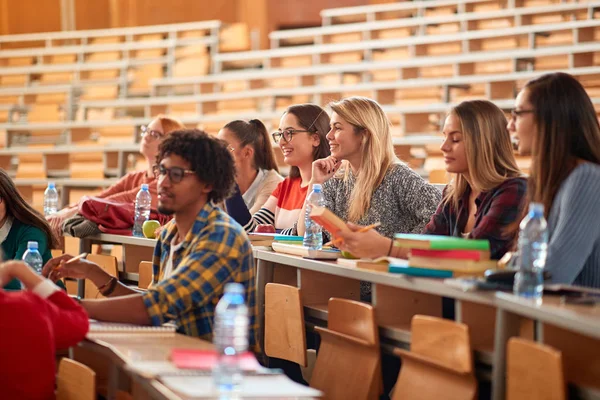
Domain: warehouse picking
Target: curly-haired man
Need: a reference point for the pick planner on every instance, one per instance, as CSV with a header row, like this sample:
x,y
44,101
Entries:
x,y
198,251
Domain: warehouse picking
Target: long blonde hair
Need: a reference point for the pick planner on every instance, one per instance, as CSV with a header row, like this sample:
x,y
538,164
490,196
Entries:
x,y
169,124
369,121
488,149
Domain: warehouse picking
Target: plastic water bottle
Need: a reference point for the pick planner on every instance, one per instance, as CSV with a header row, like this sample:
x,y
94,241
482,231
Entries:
x,y
230,337
313,232
33,258
50,199
533,244
143,202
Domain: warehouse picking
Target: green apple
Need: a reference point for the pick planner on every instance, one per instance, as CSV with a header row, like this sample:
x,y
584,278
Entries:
x,y
150,227
347,254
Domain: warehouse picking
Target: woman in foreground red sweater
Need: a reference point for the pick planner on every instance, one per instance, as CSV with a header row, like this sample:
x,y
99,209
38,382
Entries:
x,y
34,324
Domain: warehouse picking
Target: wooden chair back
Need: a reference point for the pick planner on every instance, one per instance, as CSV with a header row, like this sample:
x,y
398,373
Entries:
x,y
533,371
107,263
75,381
285,334
146,273
347,366
440,363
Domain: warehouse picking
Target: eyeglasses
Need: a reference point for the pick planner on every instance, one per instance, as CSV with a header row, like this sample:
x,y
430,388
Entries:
x,y
514,113
231,149
176,174
154,134
287,135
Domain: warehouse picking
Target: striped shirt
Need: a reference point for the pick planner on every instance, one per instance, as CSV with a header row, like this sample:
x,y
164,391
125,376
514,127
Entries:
x,y
214,252
281,210
574,228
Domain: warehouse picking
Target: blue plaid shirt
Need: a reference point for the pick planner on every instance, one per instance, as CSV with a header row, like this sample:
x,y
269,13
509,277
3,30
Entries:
x,y
215,251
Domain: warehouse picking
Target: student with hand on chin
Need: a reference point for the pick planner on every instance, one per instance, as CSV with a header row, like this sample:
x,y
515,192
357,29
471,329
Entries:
x,y
197,253
364,182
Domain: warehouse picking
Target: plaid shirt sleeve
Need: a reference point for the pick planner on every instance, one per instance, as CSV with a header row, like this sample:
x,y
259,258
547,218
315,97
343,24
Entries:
x,y
504,208
195,286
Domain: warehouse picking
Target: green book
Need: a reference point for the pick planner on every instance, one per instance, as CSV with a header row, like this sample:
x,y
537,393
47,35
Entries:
x,y
438,242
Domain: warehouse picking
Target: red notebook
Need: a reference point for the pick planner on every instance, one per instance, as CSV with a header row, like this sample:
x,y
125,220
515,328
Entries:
x,y
474,255
206,359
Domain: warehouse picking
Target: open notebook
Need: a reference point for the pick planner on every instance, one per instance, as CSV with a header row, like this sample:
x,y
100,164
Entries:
x,y
260,387
115,327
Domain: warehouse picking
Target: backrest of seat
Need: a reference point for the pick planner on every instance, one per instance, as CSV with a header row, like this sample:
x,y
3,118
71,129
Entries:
x,y
534,371
285,334
442,340
75,381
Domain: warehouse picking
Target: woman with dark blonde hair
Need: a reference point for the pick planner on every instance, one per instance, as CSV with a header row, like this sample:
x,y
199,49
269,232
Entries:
x,y
19,224
126,189
487,192
555,121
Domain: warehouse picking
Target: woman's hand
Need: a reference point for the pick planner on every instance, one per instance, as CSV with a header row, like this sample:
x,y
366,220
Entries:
x,y
324,168
21,271
369,244
57,268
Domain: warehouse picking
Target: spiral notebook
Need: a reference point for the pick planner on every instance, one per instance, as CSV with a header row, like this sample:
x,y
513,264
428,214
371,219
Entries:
x,y
115,327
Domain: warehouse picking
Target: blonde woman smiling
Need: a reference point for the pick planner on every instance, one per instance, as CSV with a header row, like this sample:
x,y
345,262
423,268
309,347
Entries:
x,y
363,180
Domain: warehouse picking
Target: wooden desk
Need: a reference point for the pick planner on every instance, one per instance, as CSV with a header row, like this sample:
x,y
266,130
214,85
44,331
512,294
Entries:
x,y
396,297
572,329
126,348
492,317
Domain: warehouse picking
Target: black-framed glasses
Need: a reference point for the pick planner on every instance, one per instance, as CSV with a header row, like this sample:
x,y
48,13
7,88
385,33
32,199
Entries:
x,y
517,113
154,134
287,135
176,174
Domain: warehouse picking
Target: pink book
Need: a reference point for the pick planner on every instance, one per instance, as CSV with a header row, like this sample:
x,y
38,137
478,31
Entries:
x,y
206,359
474,255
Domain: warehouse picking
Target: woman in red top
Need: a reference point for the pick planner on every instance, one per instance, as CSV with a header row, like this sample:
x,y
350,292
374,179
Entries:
x,y
34,324
125,190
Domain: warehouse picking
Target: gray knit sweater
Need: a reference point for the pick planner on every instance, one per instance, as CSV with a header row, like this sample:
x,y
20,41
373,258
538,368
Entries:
x,y
403,203
574,227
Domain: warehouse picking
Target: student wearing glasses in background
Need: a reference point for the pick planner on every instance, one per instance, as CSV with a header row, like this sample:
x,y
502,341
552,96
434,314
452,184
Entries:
x,y
125,190
301,138
199,251
257,174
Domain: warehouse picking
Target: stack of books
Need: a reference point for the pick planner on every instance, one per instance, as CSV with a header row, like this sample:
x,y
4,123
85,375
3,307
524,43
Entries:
x,y
267,239
462,257
433,256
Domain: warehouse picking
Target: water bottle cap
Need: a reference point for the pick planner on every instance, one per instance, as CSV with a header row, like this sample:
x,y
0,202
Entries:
x,y
536,208
144,186
32,245
51,185
317,188
234,287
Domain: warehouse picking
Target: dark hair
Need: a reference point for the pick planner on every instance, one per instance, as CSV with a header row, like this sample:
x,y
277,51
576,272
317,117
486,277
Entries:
x,y
315,120
208,158
18,208
254,133
568,131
